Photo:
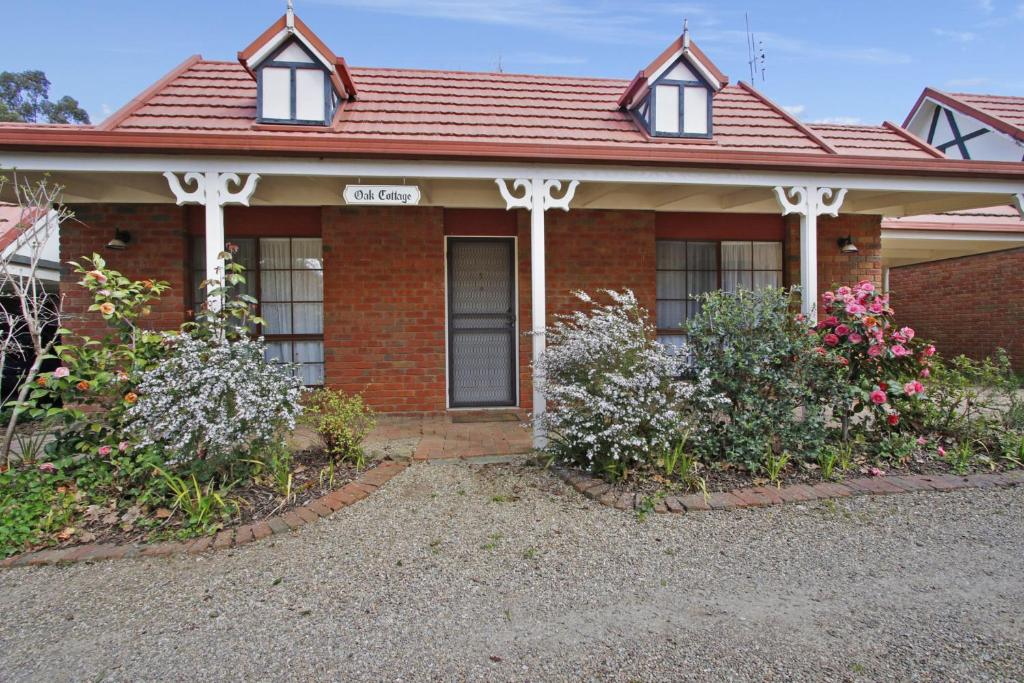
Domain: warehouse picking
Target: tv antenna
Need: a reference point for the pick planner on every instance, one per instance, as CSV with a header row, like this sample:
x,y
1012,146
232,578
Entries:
x,y
756,57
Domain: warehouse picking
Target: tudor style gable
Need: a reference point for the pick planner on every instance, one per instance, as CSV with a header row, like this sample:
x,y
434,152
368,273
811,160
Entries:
x,y
673,96
298,79
970,126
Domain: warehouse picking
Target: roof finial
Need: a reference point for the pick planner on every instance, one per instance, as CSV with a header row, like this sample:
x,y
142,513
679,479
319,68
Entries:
x,y
686,34
290,17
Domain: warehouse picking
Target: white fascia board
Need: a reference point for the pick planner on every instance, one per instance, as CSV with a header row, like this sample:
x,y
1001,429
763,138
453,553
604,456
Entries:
x,y
274,43
693,62
951,235
479,170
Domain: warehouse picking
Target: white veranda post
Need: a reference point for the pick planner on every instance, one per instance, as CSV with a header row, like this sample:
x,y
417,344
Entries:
x,y
810,202
211,190
1019,199
537,196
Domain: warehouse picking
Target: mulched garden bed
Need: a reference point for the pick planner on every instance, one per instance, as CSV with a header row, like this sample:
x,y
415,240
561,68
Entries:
x,y
257,500
652,485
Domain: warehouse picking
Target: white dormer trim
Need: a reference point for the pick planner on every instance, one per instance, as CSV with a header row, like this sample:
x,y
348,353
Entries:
x,y
923,111
278,40
692,62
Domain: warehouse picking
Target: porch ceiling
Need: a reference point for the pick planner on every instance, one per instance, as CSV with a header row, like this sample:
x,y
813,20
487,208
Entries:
x,y
313,190
900,248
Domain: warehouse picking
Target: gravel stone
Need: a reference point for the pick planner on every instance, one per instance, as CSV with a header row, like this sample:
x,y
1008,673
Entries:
x,y
504,573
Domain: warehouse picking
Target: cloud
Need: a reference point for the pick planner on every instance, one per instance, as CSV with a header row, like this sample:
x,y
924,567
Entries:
x,y
955,36
838,120
794,109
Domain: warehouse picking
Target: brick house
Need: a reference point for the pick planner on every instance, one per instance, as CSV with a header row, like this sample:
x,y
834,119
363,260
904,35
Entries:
x,y
956,275
406,228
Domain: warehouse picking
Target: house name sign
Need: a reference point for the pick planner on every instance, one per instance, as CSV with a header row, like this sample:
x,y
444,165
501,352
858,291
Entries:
x,y
382,195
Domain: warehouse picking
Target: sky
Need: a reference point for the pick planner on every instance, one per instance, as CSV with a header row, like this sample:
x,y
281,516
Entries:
x,y
825,61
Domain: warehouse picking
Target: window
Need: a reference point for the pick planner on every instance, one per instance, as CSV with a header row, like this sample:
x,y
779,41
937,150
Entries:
x,y
688,269
679,105
285,274
294,88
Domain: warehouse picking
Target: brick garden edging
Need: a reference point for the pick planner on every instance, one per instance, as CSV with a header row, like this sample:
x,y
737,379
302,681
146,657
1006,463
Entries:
x,y
293,519
763,496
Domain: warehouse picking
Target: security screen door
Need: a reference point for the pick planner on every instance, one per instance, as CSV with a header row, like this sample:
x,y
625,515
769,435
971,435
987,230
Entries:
x,y
481,322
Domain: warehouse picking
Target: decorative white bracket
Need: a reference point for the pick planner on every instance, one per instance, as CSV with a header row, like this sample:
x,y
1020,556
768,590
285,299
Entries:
x,y
537,195
809,202
212,190
1019,198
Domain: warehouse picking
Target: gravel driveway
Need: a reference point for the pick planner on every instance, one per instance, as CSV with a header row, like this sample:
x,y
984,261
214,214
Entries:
x,y
456,572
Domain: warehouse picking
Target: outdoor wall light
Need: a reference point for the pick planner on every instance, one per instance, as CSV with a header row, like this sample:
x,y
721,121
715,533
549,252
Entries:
x,y
120,241
847,246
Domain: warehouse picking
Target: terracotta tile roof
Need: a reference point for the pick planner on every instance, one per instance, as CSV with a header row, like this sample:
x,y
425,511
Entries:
x,y
886,140
992,219
11,221
214,96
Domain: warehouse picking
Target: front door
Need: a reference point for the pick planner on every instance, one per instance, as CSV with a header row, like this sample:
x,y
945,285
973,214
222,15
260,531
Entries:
x,y
481,322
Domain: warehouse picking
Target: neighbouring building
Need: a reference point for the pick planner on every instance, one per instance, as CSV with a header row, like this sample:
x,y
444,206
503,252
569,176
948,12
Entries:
x,y
406,228
956,275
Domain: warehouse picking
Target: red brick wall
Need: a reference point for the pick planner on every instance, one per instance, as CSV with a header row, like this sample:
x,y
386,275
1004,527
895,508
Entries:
x,y
384,305
158,250
835,267
970,305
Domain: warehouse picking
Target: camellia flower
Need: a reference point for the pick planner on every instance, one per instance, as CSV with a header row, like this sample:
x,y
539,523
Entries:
x,y
921,441
61,372
830,321
907,332
842,330
876,307
831,339
893,419
82,386
909,389
47,467
883,386
843,291
875,350
918,387
930,350
105,450
941,451
820,350
123,446
855,338
828,297
130,397
843,361
107,308
899,350
878,397
41,381
926,372
855,309
866,285
875,472
97,276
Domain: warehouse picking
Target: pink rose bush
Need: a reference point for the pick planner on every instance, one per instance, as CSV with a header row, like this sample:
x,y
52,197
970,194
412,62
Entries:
x,y
858,328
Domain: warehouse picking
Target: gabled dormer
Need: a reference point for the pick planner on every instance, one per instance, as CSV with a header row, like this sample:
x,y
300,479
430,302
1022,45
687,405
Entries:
x,y
299,81
673,96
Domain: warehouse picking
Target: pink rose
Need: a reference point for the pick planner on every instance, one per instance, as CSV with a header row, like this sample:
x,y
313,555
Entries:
x,y
830,321
866,285
907,332
926,372
878,397
874,350
855,309
909,389
842,330
875,307
61,372
831,339
930,351
105,450
899,350
843,291
855,338
828,297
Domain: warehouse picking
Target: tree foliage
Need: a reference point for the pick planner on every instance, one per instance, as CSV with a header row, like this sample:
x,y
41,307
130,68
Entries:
x,y
25,96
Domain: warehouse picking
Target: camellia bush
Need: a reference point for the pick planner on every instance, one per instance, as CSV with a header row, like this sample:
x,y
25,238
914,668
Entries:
x,y
214,399
758,355
884,366
615,399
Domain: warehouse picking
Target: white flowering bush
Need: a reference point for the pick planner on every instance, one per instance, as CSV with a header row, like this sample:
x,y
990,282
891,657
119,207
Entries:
x,y
614,397
214,399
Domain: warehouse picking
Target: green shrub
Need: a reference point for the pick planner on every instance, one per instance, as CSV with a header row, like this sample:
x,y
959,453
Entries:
x,y
341,421
970,399
31,506
763,359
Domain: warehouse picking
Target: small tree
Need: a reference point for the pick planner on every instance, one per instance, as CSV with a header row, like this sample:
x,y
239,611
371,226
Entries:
x,y
29,315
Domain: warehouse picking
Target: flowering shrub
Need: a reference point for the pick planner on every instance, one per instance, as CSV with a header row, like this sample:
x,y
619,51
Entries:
x,y
214,400
883,364
342,422
614,397
761,358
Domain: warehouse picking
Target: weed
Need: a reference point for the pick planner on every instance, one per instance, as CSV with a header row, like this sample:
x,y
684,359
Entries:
x,y
199,504
647,505
961,457
530,553
775,464
493,542
828,457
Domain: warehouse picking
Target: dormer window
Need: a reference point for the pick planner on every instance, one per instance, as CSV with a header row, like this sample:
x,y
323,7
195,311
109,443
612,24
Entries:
x,y
673,96
294,87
